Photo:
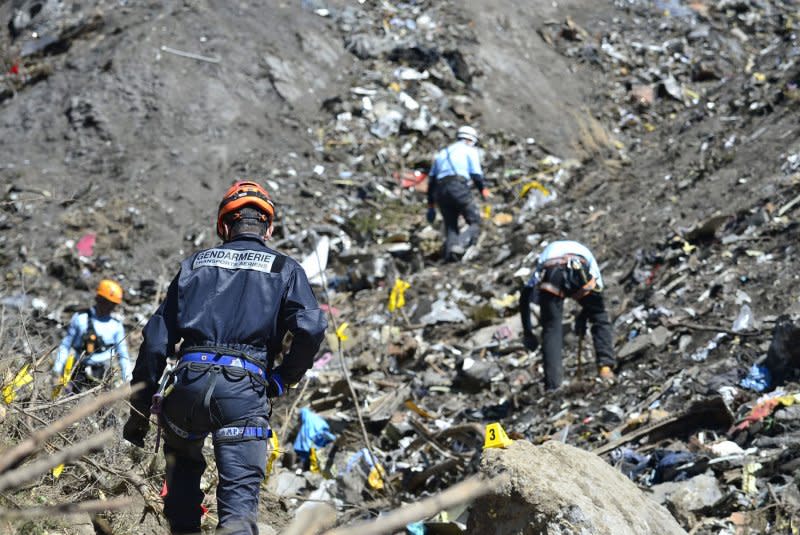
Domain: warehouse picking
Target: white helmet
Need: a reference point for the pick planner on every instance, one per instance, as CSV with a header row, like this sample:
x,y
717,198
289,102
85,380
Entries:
x,y
468,133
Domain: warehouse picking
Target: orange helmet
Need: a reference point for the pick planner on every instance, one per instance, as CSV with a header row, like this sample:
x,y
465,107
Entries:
x,y
241,194
110,290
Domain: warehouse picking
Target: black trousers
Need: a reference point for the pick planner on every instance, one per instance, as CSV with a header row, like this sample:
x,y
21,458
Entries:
x,y
235,401
552,309
454,198
89,376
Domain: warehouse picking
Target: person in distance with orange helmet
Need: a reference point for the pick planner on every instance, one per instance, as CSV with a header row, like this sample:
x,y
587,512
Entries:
x,y
93,337
230,307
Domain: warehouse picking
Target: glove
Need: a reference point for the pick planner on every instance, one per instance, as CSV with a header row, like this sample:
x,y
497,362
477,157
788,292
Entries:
x,y
275,387
486,193
431,215
136,429
531,341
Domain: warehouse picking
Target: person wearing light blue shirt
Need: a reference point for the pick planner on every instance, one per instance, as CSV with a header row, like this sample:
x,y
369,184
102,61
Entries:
x,y
558,249
454,168
95,336
566,268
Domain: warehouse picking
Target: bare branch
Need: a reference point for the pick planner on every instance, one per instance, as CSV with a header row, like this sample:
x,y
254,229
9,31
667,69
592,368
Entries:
x,y
21,475
68,399
32,443
463,492
312,520
66,509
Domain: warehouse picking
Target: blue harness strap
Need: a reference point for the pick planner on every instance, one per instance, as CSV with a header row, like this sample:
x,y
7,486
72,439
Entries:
x,y
229,433
234,433
224,360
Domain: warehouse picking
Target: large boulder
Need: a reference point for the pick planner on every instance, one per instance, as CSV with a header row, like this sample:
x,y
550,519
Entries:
x,y
686,497
556,489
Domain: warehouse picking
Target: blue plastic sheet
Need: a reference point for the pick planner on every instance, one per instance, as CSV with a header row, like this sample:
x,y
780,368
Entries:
x,y
362,459
758,379
658,467
314,433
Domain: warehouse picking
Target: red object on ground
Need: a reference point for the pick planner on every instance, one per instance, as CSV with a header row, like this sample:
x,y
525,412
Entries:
x,y
327,308
412,179
759,412
85,245
14,69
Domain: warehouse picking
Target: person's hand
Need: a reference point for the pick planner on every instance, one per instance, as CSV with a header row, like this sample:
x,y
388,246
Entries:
x,y
431,215
485,193
530,340
136,429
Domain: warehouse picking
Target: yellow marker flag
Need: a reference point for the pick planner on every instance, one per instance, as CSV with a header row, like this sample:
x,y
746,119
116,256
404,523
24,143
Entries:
x,y
21,379
375,478
397,298
273,455
314,461
57,470
65,377
535,184
340,331
496,437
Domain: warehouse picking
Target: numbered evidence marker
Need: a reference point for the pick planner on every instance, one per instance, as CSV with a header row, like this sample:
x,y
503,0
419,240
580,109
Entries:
x,y
496,437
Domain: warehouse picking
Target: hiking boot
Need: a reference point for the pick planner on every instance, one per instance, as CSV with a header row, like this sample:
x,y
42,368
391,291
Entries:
x,y
606,373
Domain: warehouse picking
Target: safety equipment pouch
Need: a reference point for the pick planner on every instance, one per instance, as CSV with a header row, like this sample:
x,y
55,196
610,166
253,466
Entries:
x,y
92,342
576,276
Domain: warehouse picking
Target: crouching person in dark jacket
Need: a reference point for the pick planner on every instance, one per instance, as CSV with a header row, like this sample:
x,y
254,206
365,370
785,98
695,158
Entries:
x,y
230,308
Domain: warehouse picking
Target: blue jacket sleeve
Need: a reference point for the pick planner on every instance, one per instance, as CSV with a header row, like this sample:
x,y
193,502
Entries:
x,y
122,353
432,182
300,314
526,295
474,169
73,333
160,336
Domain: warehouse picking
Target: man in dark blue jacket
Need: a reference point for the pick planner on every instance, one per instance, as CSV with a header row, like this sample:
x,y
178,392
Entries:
x,y
230,308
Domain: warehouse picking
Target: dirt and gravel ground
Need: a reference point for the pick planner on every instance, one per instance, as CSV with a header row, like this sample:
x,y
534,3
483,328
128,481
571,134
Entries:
x,y
107,131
